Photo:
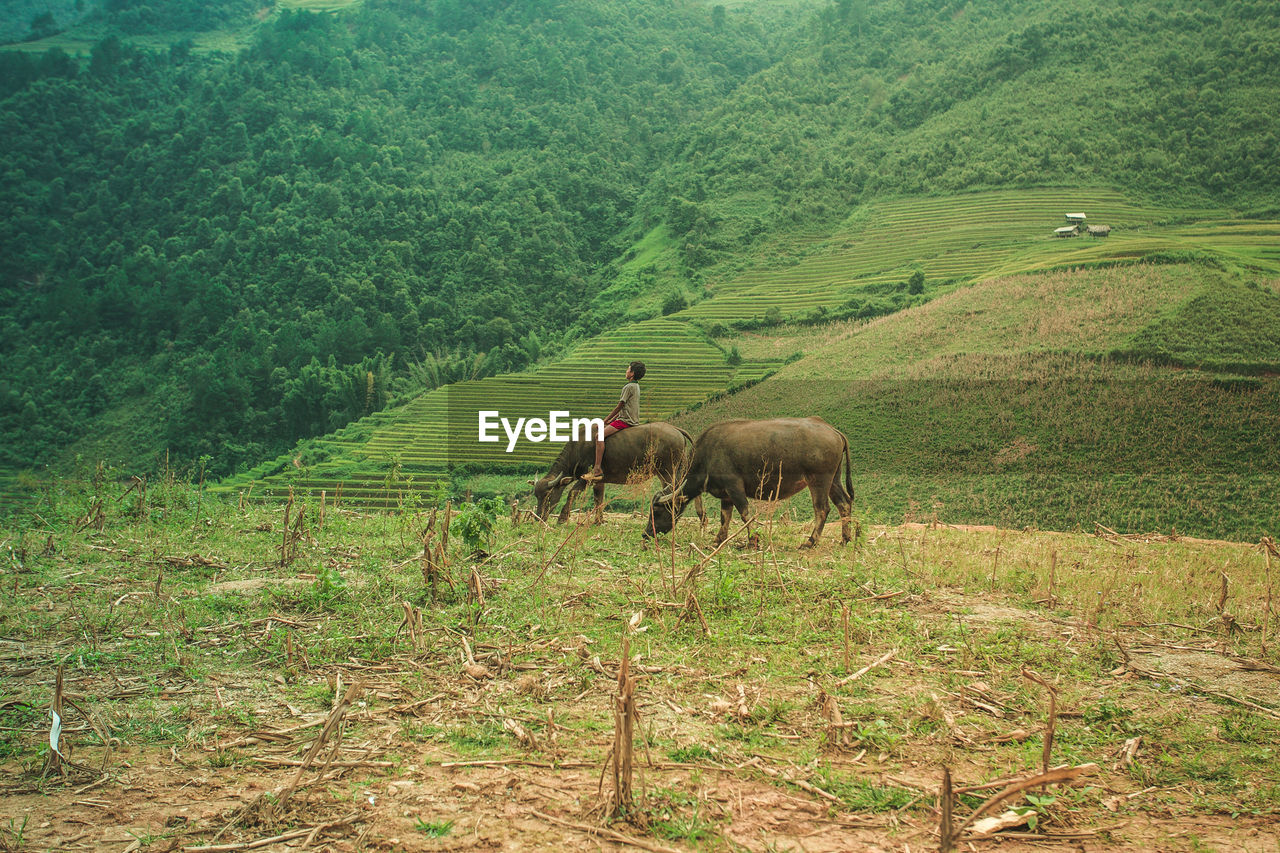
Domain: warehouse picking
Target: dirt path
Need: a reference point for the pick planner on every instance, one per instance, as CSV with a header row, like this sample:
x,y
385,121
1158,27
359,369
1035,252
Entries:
x,y
155,804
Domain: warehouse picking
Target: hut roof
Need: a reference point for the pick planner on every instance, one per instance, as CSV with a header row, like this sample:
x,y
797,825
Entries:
x,y
1076,217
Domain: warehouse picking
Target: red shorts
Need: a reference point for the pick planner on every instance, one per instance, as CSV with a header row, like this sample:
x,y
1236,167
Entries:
x,y
619,425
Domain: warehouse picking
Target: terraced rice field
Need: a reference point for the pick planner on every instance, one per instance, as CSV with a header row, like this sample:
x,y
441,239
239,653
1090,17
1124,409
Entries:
x,y
982,235
318,5
407,450
14,494
68,43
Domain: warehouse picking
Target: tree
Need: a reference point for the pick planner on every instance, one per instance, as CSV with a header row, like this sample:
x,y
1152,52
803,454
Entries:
x,y
915,284
674,301
42,26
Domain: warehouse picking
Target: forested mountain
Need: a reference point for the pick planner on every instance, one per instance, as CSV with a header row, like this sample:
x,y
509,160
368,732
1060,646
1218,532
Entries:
x,y
253,248
238,251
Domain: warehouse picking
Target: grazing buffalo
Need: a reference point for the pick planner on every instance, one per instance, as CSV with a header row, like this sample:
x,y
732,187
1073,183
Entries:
x,y
767,460
630,455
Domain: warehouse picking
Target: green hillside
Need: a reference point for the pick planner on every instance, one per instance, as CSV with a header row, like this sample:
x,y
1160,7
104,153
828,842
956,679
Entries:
x,y
235,240
1081,314
899,98
1058,400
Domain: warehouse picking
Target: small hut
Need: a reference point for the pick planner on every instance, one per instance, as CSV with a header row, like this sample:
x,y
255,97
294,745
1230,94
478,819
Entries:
x,y
1099,230
1076,218
1065,231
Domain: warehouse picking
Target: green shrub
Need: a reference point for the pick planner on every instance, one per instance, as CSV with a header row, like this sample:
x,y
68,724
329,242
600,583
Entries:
x,y
474,522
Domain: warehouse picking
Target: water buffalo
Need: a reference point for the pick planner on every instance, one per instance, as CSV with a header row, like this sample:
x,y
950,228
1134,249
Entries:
x,y
634,454
769,460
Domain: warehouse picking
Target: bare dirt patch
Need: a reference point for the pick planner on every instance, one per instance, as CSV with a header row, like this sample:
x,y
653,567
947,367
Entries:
x,y
246,585
1189,668
155,803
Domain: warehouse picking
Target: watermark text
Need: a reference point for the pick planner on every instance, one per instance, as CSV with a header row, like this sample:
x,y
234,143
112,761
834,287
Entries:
x,y
558,426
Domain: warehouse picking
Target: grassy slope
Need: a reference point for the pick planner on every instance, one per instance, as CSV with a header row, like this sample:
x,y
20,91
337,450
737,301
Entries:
x,y
997,403
951,238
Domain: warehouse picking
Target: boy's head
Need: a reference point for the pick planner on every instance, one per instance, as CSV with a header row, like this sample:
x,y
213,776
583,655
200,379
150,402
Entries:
x,y
637,370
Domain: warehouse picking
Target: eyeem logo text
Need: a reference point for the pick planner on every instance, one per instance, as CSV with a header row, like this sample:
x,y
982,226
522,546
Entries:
x,y
557,427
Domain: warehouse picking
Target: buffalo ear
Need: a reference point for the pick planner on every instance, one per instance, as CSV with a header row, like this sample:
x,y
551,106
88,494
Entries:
x,y
532,483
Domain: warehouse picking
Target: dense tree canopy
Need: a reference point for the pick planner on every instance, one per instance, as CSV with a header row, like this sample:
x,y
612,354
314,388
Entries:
x,y
404,193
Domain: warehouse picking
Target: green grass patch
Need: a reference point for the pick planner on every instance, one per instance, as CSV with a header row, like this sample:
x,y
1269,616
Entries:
x,y
862,795
433,828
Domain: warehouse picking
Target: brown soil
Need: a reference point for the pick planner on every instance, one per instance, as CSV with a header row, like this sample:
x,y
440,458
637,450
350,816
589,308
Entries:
x,y
163,802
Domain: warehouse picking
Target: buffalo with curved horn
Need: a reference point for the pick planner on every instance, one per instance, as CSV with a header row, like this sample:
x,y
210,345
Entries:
x,y
631,455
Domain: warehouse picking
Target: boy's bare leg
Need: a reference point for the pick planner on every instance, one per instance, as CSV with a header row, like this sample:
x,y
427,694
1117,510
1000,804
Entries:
x,y
597,472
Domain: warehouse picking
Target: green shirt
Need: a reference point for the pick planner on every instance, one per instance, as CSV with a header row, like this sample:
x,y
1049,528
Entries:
x,y
630,400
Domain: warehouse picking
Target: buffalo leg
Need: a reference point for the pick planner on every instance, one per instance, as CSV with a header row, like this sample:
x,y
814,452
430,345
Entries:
x,y
821,507
726,515
671,480
738,498
577,486
598,492
844,505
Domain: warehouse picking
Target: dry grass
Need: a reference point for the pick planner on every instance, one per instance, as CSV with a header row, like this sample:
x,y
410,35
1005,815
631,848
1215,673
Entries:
x,y
780,697
1080,311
